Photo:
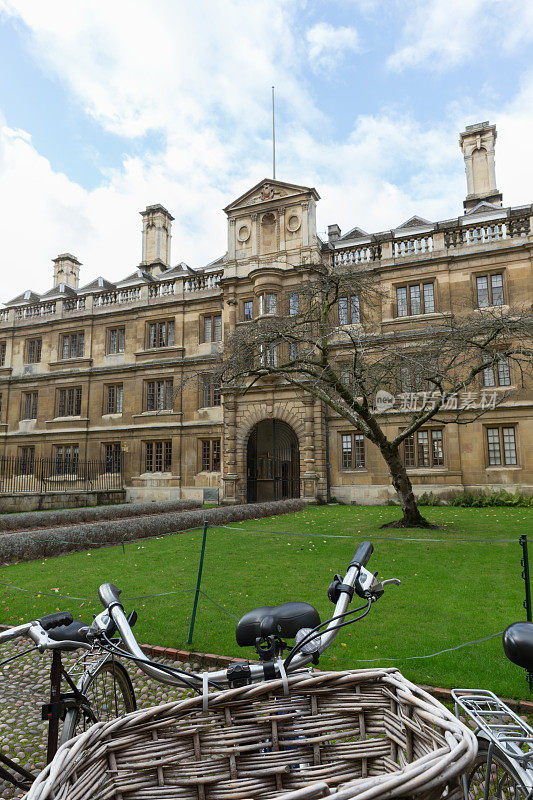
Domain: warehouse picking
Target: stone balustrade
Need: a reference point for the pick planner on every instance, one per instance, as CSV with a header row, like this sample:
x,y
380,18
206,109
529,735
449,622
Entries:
x,y
35,310
413,246
162,289
357,255
487,232
200,283
74,304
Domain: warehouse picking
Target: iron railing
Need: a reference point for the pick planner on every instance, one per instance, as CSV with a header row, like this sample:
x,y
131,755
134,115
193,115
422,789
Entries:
x,y
20,474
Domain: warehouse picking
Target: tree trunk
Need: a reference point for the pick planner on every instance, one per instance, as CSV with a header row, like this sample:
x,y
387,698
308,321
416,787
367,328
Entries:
x,y
412,518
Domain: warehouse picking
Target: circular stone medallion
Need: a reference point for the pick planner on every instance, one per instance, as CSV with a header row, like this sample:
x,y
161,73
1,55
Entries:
x,y
293,223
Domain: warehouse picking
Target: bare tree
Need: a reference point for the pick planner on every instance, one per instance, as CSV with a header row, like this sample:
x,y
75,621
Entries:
x,y
332,346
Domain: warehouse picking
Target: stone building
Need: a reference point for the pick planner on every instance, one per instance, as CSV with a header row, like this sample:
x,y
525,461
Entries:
x,y
92,372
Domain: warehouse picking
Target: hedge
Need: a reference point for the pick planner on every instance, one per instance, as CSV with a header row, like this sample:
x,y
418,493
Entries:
x,y
477,499
71,516
31,545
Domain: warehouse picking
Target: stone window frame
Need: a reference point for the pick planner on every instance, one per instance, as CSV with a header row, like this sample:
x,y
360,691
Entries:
x,y
3,353
66,463
109,456
29,403
77,399
265,301
150,396
25,459
209,389
158,452
113,399
243,302
115,329
357,447
164,336
488,274
75,343
414,454
499,376
352,300
213,315
500,427
33,348
210,454
407,285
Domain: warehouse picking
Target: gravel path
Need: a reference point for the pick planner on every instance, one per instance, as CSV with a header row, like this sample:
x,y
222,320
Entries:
x,y
24,688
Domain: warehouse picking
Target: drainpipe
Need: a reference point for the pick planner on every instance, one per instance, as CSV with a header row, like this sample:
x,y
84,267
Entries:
x,y
326,441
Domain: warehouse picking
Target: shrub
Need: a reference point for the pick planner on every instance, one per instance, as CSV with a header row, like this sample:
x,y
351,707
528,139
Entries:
x,y
30,545
430,499
477,499
72,516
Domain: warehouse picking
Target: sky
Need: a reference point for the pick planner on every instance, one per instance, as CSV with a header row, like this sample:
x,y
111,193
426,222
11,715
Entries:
x,y
107,107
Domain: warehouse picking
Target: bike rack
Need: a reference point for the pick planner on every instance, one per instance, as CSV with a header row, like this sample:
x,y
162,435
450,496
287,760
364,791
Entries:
x,y
499,723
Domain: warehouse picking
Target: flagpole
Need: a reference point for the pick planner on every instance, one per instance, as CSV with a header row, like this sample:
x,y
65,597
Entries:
x,y
273,139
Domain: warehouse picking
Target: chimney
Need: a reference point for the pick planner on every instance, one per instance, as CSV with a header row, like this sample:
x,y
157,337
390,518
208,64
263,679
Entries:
x,y
333,232
67,270
157,222
477,143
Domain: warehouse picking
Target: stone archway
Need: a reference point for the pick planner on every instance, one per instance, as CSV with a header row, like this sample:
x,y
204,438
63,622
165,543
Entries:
x,y
272,462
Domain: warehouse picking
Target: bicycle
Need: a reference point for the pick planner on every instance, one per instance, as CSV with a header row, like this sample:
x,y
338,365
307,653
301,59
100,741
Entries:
x,y
504,765
271,728
99,685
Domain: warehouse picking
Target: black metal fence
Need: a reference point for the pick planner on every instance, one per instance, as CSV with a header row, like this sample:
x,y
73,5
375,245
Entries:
x,y
20,474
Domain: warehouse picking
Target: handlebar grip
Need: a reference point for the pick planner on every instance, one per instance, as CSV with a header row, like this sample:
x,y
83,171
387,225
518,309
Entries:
x,y
109,595
362,555
55,620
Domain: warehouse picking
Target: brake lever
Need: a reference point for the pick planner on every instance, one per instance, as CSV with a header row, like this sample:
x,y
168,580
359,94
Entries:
x,y
391,581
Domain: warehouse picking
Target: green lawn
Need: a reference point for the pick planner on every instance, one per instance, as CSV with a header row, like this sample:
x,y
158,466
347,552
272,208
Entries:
x,y
452,591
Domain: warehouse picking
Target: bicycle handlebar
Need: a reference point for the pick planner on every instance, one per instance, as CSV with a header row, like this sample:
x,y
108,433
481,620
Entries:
x,y
357,576
362,555
55,620
109,595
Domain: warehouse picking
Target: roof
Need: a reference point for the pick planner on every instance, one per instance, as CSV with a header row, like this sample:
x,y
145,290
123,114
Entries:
x,y
98,285
267,190
61,290
26,297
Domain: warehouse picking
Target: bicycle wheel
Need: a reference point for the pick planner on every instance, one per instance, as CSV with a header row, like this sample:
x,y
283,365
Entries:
x,y
504,781
110,694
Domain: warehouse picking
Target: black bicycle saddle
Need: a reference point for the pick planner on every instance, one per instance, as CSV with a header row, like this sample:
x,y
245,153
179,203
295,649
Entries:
x,y
518,644
284,621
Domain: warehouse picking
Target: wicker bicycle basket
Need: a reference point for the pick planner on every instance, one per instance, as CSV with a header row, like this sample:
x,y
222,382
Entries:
x,y
362,734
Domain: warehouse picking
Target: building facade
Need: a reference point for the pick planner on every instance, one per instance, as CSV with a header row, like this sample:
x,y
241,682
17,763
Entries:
x,y
118,372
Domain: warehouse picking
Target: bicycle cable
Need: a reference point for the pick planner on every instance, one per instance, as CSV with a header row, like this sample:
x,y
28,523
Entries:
x,y
314,632
18,655
174,671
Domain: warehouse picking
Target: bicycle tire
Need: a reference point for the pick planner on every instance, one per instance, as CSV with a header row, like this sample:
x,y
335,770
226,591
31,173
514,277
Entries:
x,y
110,694
504,781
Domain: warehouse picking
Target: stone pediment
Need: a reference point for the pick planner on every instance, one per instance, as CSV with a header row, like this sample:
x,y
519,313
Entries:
x,y
415,222
483,207
268,190
355,233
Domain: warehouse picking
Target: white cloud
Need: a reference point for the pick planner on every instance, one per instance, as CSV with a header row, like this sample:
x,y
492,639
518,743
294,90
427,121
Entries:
x,y
202,77
442,34
328,45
